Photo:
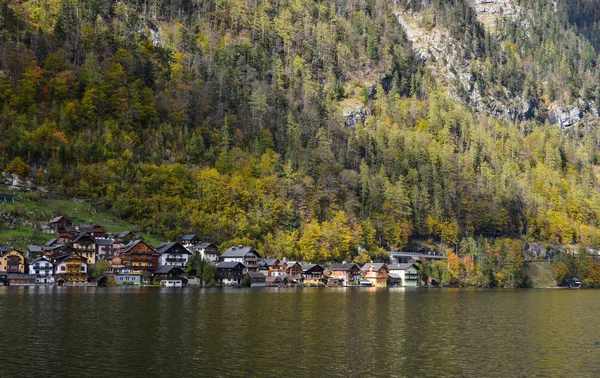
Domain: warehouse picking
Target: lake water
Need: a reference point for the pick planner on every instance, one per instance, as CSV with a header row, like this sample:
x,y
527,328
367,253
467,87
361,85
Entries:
x,y
131,332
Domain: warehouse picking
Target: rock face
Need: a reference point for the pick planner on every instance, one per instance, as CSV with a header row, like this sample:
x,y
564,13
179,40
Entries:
x,y
354,112
489,12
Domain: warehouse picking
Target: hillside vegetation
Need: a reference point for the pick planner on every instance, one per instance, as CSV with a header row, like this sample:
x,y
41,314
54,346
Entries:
x,y
225,118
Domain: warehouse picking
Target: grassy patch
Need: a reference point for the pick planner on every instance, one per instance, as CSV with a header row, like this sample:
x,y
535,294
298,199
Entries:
x,y
540,274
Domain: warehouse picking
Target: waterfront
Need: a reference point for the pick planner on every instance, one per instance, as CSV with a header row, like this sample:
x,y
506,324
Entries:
x,y
110,332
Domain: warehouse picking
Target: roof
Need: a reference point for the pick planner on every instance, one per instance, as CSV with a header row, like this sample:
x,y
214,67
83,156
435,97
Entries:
x,y
40,259
50,242
168,246
21,276
376,266
4,249
256,275
62,258
56,219
395,275
229,265
239,252
205,245
125,233
34,248
401,266
307,267
270,262
81,235
104,241
343,267
166,269
132,244
291,263
273,279
189,236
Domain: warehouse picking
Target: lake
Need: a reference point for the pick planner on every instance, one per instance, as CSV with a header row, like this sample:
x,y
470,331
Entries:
x,y
131,332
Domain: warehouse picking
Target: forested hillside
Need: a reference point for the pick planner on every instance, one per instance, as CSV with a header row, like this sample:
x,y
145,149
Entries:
x,y
226,118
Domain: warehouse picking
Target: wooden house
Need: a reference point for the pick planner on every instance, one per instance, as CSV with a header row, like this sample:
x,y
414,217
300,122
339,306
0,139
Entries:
x,y
85,246
293,271
95,229
245,255
274,267
34,251
377,273
139,258
230,273
57,223
170,276
276,281
70,269
312,274
346,273
18,279
207,251
11,260
173,254
257,279
190,239
125,237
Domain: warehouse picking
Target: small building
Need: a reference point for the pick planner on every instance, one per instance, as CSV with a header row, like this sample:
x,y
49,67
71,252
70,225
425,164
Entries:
x,y
190,239
43,269
403,275
95,229
127,278
21,279
293,271
99,281
173,254
125,237
347,273
207,251
276,281
312,274
257,279
377,273
58,222
274,267
139,258
245,255
170,276
107,248
34,251
230,273
71,269
11,260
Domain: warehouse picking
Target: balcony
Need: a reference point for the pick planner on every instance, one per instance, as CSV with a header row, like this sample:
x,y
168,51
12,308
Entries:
x,y
176,259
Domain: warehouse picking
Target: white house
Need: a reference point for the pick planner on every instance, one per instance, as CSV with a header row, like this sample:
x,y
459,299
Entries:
x,y
43,270
208,251
404,274
172,253
245,255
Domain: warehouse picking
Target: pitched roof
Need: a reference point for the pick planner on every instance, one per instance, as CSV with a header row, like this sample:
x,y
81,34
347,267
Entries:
x,y
62,258
51,242
132,244
56,219
256,275
273,279
401,266
188,236
205,245
125,233
41,259
343,267
34,248
307,267
81,235
4,249
168,246
376,266
239,252
229,265
166,269
271,262
104,241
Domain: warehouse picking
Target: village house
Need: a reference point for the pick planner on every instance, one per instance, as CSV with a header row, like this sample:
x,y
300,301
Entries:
x,y
377,273
139,258
43,269
20,279
245,255
207,251
274,267
34,252
85,246
169,276
293,271
230,273
190,239
107,248
11,260
57,223
125,237
71,269
276,281
257,279
346,273
403,275
312,274
94,229
172,253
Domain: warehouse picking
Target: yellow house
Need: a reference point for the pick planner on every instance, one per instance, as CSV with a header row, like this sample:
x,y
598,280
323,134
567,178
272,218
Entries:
x,y
12,261
377,273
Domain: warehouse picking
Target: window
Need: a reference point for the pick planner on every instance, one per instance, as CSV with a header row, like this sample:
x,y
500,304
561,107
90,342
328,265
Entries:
x,y
62,268
83,268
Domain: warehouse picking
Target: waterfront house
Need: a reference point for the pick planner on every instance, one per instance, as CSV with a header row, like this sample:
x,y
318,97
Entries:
x,y
57,223
274,267
276,281
403,275
43,269
377,273
245,255
257,279
170,276
312,274
172,253
17,279
190,239
345,272
293,271
11,260
85,246
230,273
139,258
71,269
207,251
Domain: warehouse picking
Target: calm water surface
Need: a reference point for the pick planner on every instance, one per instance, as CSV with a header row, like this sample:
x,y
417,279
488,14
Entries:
x,y
119,332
